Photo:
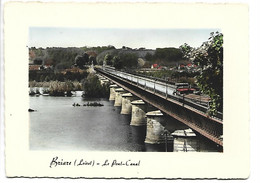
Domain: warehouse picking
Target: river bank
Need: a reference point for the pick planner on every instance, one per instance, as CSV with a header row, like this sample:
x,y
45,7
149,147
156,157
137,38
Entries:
x,y
54,88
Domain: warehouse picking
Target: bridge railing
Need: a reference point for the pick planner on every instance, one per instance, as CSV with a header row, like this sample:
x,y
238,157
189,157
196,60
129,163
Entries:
x,y
199,105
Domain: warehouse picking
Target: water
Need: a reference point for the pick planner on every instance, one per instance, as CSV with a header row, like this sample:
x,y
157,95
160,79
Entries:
x,y
57,125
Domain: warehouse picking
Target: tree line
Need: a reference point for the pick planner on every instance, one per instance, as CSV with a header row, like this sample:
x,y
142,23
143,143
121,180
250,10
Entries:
x,y
50,75
63,58
129,60
166,55
209,56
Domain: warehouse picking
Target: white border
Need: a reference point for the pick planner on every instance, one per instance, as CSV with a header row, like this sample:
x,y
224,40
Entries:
x,y
253,73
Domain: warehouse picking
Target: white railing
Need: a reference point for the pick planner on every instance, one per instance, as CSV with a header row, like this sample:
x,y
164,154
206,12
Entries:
x,y
166,89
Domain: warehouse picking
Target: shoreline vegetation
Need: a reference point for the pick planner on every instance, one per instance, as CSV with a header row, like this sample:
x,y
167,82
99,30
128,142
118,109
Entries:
x,y
54,88
91,87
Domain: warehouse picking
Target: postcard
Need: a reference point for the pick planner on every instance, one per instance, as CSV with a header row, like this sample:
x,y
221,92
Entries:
x,y
126,90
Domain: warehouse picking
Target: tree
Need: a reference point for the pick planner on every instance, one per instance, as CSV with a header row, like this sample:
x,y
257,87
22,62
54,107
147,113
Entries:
x,y
38,61
186,50
61,66
108,59
209,56
148,57
168,54
86,58
129,60
80,61
47,79
93,60
42,78
111,47
117,62
93,88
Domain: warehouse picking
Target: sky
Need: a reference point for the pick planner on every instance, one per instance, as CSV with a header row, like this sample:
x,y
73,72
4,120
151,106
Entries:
x,y
133,38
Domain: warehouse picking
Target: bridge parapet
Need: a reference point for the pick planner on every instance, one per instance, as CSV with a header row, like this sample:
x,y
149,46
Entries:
x,y
164,88
200,122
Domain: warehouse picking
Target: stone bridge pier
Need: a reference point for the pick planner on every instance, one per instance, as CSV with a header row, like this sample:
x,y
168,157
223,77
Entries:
x,y
118,97
185,141
126,103
112,91
155,131
138,113
103,80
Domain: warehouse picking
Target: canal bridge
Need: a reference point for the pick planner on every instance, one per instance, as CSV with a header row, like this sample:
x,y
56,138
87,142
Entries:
x,y
160,94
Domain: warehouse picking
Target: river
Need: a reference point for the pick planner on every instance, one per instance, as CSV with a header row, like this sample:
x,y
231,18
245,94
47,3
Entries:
x,y
57,125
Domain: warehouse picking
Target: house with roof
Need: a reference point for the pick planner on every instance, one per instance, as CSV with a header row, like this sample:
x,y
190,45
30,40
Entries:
x,y
181,67
154,66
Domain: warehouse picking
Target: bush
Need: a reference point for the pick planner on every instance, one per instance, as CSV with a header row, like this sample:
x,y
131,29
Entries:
x,y
58,88
93,88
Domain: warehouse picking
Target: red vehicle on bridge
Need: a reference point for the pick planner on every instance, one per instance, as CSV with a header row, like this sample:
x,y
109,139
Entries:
x,y
183,88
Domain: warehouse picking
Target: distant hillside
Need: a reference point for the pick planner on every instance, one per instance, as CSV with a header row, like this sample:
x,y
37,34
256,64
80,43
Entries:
x,y
58,57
